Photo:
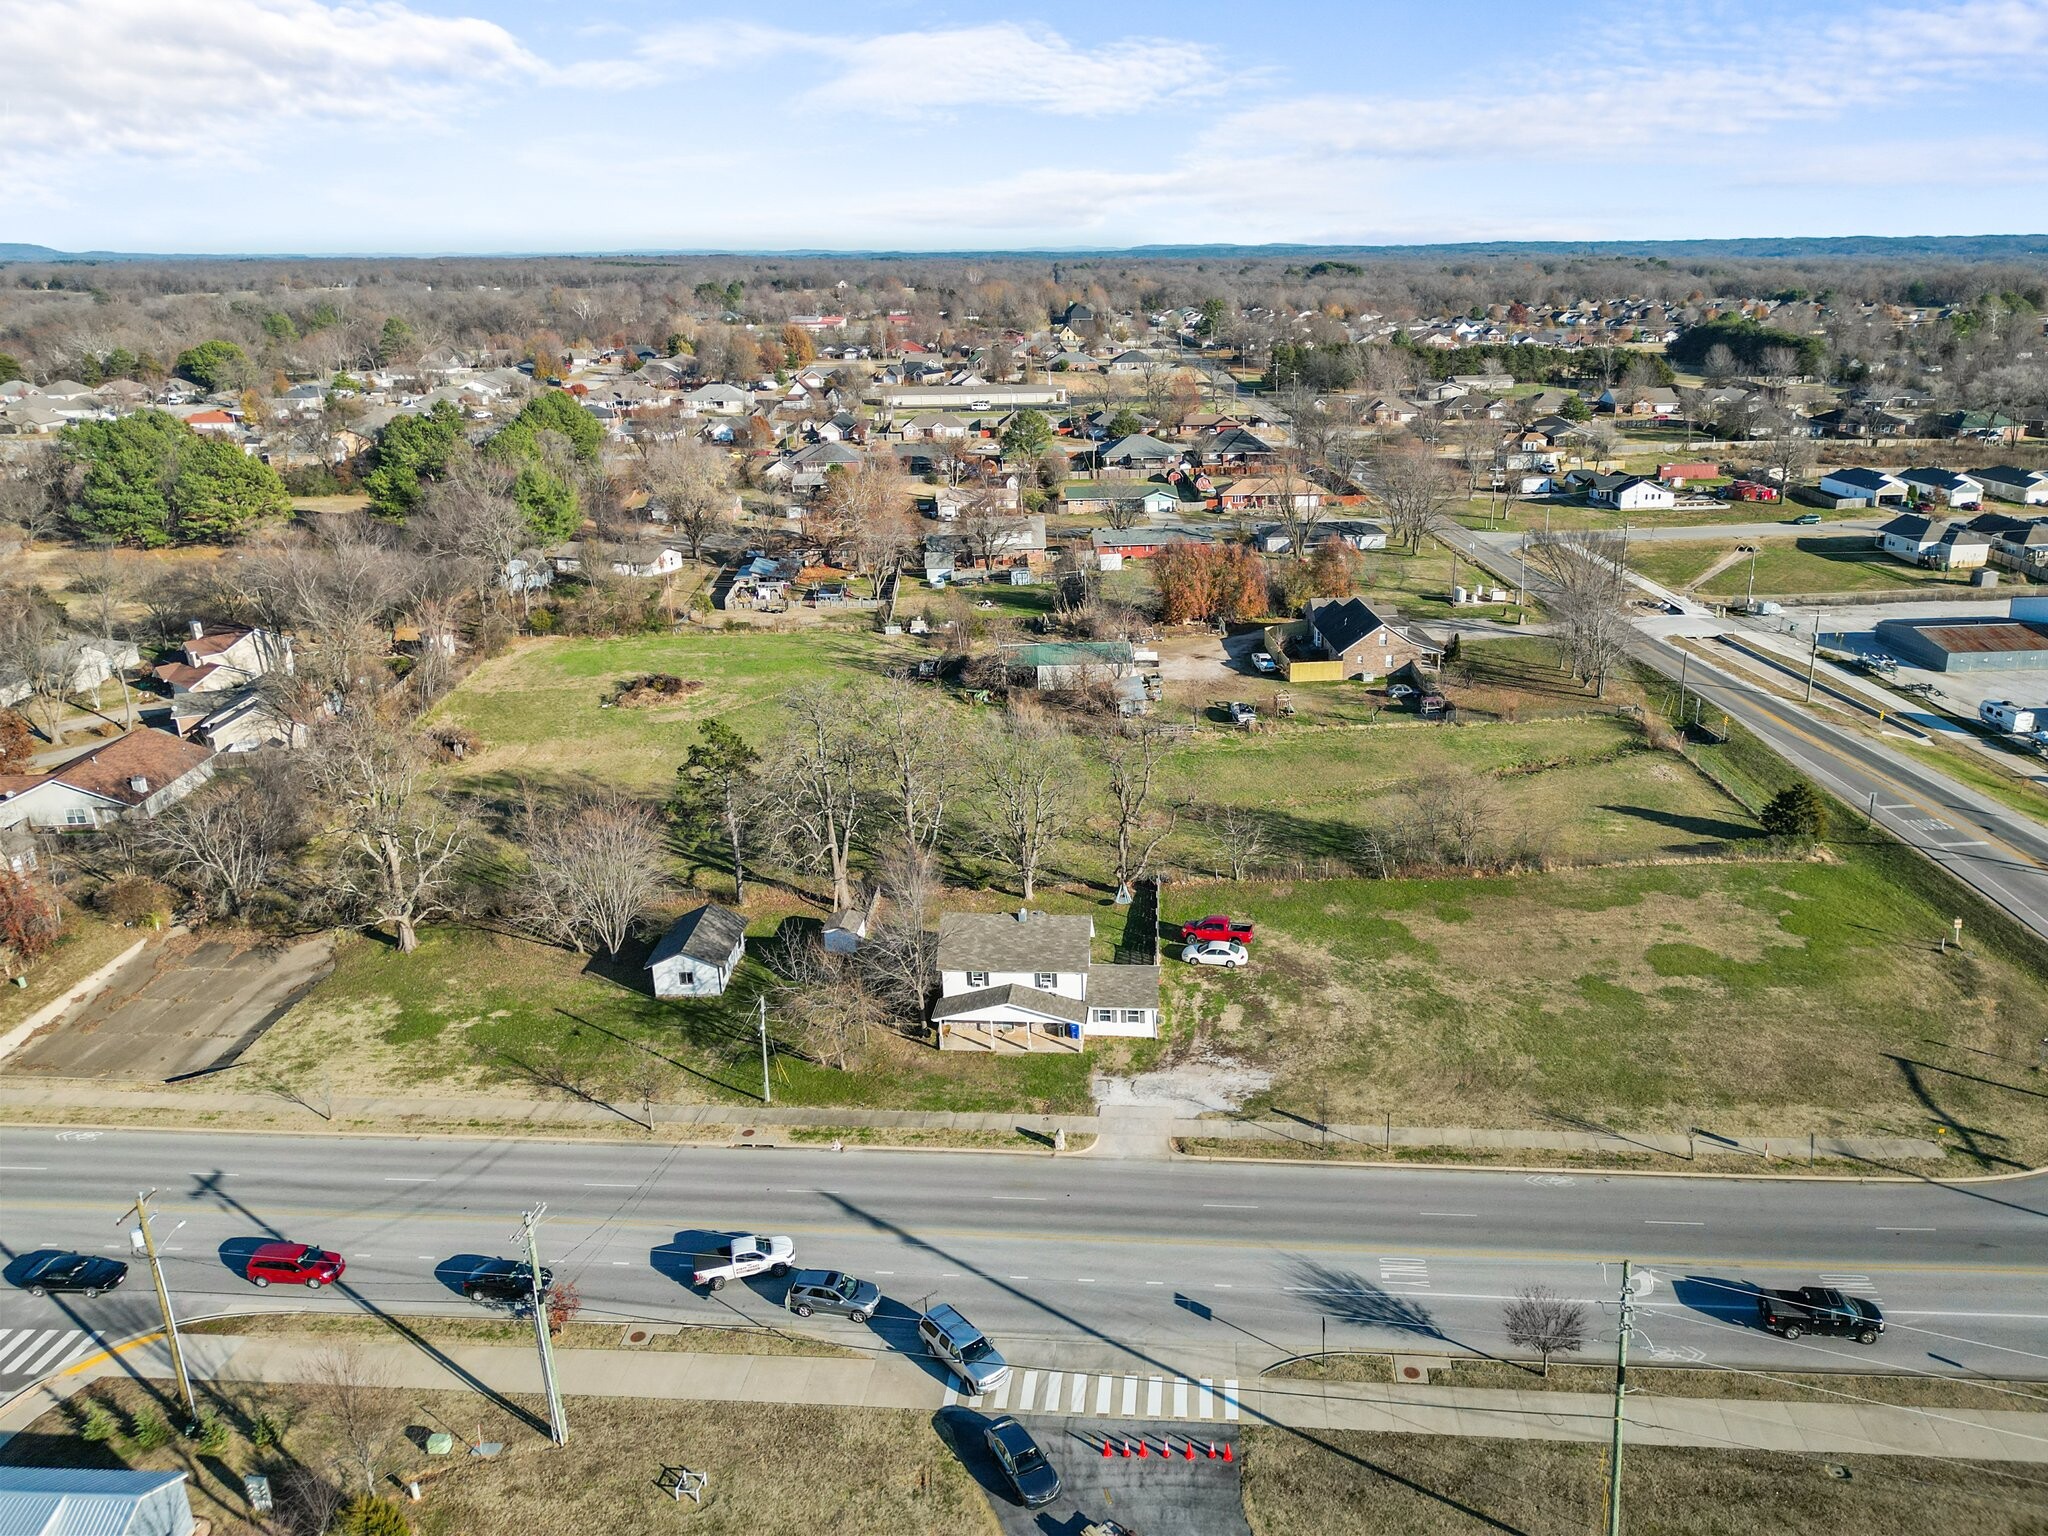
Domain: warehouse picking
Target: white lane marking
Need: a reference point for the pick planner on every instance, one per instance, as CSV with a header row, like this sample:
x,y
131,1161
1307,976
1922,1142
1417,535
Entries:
x,y
1155,1393
621,1263
362,1255
1222,1286
391,1178
1002,1392
1651,1221
1084,1280
1155,1282
32,1338
1906,1229
1028,1393
48,1358
1077,1398
1020,1277
1218,1205
24,1168
885,1271
1205,1399
1130,1396
1230,1400
611,1186
1473,1215
1402,1272
1180,1397
1102,1394
1030,1199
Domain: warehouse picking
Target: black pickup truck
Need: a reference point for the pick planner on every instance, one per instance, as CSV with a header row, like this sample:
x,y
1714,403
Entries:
x,y
1817,1310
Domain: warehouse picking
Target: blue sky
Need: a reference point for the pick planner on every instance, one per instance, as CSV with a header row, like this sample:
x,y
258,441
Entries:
x,y
438,125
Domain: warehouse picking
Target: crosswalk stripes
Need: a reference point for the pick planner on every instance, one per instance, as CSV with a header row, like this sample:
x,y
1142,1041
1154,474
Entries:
x,y
27,1354
1113,1395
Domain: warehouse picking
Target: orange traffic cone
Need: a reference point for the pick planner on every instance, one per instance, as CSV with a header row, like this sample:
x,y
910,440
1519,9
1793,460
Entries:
x,y
1226,1451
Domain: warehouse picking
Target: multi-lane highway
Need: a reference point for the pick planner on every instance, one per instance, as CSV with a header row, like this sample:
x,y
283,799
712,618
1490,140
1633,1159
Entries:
x,y
1164,1260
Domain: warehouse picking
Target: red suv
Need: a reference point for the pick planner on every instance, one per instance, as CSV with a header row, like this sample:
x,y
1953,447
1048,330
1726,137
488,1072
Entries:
x,y
294,1264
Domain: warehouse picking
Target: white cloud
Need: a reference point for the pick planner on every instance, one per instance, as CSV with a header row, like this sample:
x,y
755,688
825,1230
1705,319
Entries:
x,y
185,78
906,74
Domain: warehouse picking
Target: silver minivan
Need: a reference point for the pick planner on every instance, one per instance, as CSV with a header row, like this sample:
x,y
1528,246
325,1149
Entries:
x,y
963,1347
827,1290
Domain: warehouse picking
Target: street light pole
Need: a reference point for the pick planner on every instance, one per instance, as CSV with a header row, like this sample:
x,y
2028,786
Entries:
x,y
767,1088
558,1419
142,1237
1620,1393
1749,602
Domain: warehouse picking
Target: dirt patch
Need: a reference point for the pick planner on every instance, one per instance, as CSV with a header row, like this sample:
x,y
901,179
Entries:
x,y
653,688
1210,1084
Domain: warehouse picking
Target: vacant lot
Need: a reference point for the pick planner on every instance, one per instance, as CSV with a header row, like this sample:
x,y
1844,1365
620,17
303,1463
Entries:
x,y
1812,563
1733,997
772,1468
1335,1483
475,1012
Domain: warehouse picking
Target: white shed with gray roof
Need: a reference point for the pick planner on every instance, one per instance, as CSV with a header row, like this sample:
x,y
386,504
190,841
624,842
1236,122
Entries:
x,y
697,957
79,1501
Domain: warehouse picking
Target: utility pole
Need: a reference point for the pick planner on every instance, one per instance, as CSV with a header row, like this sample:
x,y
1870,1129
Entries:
x,y
1749,602
558,1421
1633,1286
140,1236
1813,659
1684,666
767,1089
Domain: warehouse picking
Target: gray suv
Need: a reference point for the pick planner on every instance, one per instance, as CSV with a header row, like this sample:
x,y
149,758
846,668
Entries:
x,y
961,1345
827,1290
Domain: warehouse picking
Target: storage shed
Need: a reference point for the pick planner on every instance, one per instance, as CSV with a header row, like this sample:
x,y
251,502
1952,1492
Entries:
x,y
697,957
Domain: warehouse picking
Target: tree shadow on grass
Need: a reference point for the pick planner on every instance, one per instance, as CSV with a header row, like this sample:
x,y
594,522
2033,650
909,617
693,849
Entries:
x,y
1973,1141
1697,826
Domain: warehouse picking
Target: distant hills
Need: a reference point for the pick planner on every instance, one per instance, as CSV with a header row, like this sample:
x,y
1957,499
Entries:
x,y
1760,248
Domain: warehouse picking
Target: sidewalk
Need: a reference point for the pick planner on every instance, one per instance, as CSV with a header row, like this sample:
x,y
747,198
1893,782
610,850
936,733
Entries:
x,y
1103,1386
1122,1132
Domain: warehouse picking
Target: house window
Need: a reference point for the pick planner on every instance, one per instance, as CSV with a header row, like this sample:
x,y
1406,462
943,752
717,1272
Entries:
x,y
1134,1015
1045,981
77,818
1102,1015
976,980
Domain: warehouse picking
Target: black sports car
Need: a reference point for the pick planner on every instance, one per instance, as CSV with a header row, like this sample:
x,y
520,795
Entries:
x,y
73,1272
505,1280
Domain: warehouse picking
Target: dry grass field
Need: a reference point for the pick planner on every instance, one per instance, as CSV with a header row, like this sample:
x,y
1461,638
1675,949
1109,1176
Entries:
x,y
773,1468
1340,1483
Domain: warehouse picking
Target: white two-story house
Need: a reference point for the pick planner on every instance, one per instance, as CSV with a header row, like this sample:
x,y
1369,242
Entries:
x,y
1024,981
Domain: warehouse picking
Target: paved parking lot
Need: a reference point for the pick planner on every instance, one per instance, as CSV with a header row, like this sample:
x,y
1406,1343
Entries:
x,y
1149,1495
189,1004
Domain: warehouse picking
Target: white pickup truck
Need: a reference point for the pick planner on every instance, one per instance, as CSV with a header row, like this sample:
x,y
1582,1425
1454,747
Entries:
x,y
742,1257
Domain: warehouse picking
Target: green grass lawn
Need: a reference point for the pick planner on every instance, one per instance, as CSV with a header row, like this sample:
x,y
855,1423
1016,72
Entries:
x,y
1735,997
1809,563
85,943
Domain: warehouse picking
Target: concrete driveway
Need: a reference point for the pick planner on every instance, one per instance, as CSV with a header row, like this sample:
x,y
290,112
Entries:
x,y
1147,1495
190,1004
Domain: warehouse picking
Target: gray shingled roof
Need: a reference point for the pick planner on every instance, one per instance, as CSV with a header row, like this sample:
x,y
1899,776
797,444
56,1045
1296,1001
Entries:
x,y
708,934
998,941
1014,995
1123,986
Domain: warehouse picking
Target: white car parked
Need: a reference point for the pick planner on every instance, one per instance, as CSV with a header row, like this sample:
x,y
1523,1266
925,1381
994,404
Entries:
x,y
1227,953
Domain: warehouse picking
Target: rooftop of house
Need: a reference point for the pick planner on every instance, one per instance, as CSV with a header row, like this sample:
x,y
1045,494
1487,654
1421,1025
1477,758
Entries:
x,y
152,758
1342,624
1014,941
1069,653
1011,994
710,934
217,638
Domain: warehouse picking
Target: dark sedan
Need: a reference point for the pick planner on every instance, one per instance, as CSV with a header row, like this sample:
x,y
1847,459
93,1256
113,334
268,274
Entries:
x,y
1033,1477
505,1281
83,1272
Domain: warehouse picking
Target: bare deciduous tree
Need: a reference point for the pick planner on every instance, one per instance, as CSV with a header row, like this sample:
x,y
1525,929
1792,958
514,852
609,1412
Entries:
x,y
234,838
592,869
397,846
1241,830
1414,489
820,783
1538,1318
1450,816
691,483
1140,826
1588,598
347,1386
1027,777
899,958
918,755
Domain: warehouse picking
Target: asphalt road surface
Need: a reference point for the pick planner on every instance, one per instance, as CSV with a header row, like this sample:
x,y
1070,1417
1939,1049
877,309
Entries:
x,y
1168,1262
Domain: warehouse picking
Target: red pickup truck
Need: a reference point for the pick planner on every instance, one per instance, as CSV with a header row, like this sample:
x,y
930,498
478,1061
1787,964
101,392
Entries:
x,y
1216,926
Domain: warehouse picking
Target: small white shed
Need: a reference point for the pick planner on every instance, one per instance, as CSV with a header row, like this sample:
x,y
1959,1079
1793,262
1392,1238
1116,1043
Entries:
x,y
697,957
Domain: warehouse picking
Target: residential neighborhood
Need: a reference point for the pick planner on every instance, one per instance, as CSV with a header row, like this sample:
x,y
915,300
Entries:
x,y
1022,773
